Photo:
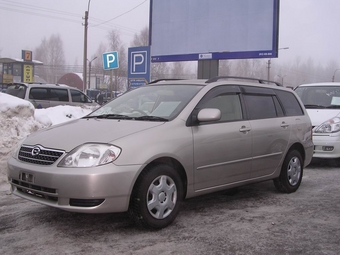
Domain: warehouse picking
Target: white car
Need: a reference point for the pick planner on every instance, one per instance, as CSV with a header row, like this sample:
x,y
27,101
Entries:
x,y
322,102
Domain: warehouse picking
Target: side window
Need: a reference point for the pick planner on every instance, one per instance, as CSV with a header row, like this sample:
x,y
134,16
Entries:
x,y
228,104
78,97
260,106
59,95
226,99
39,94
290,103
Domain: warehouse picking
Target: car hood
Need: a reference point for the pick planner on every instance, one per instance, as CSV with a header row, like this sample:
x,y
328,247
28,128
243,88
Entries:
x,y
318,116
69,135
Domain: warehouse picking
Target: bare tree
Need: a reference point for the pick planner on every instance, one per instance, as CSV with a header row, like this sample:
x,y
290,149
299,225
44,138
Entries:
x,y
51,53
141,39
118,82
225,68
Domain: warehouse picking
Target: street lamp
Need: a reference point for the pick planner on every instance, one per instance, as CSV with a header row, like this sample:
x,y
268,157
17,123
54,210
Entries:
x,y
90,61
334,74
85,45
268,63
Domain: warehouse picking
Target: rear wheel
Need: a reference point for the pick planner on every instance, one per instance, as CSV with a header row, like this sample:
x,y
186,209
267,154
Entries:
x,y
291,173
156,197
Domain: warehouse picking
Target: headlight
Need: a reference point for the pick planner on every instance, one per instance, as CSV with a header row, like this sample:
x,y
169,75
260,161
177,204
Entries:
x,y
88,155
329,126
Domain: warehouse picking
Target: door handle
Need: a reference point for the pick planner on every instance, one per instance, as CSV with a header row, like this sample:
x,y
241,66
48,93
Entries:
x,y
284,125
245,129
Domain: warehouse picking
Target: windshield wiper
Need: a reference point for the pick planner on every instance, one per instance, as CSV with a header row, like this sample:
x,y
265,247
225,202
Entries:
x,y
314,106
151,118
110,116
333,107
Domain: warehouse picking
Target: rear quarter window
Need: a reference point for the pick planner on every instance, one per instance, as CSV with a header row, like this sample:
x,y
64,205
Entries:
x,y
290,103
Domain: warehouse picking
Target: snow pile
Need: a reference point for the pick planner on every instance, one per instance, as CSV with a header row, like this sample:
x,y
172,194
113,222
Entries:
x,y
19,118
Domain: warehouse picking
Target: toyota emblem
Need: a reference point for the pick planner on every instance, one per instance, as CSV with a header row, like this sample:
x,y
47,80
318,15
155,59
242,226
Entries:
x,y
35,151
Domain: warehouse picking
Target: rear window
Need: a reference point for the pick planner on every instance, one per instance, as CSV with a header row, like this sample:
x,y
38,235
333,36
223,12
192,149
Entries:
x,y
17,90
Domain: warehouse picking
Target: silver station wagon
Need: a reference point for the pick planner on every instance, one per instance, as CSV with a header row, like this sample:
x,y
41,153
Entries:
x,y
149,149
43,95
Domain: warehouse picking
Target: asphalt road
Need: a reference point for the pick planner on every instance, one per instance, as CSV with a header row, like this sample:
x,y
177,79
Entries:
x,y
255,220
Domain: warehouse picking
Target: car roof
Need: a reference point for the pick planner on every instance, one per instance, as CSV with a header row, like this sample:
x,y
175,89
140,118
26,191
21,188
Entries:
x,y
219,80
33,84
329,83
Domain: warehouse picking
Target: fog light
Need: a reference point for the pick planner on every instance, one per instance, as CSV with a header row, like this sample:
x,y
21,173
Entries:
x,y
327,148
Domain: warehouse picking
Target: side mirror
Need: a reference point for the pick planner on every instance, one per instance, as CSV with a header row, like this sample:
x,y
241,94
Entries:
x,y
209,114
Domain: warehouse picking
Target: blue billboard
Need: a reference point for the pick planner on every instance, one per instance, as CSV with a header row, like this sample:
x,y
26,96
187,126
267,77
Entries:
x,y
184,30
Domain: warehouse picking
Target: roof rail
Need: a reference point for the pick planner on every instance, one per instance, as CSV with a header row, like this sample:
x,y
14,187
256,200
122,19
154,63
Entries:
x,y
214,79
158,80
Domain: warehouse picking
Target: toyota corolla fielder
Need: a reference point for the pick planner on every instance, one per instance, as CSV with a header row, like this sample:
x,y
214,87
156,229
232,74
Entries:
x,y
149,149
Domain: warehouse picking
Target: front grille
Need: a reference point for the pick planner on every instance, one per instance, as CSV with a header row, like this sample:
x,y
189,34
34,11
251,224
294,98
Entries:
x,y
37,194
35,190
34,187
39,155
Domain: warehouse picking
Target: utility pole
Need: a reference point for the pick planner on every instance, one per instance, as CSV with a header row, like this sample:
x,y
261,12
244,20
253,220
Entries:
x,y
85,50
268,66
85,46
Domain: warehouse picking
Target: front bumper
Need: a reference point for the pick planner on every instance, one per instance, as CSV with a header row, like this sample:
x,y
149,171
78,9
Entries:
x,y
326,146
102,189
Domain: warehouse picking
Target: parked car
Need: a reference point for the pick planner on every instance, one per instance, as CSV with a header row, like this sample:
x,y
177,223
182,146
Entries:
x,y
49,95
149,149
322,101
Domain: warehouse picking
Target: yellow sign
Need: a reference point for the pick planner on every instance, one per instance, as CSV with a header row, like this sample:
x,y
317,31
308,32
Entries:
x,y
7,78
28,73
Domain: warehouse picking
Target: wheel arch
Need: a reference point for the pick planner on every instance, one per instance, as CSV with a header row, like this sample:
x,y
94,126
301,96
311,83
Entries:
x,y
299,147
170,162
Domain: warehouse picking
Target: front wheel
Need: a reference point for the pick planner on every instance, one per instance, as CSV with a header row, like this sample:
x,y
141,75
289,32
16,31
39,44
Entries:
x,y
156,197
291,173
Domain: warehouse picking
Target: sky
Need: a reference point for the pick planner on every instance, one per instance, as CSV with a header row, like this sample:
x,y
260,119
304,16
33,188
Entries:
x,y
309,28
19,118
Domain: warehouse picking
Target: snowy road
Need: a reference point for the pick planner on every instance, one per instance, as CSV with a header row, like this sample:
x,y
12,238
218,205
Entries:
x,y
256,220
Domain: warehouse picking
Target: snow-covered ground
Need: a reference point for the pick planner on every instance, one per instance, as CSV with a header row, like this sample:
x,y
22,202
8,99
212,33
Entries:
x,y
19,118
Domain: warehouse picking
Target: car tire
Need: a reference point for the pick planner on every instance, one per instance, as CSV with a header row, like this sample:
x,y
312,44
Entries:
x,y
156,197
291,173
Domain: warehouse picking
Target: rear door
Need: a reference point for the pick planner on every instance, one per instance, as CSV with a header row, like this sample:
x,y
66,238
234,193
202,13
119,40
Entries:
x,y
59,96
270,130
222,149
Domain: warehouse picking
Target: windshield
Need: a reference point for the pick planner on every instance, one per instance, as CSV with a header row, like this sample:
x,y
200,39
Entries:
x,y
154,103
319,96
17,90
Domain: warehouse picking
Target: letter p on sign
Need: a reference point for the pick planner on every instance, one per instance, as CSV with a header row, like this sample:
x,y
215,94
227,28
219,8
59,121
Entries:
x,y
110,60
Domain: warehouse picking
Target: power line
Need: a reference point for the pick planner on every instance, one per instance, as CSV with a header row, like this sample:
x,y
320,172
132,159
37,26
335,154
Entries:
x,y
17,7
120,14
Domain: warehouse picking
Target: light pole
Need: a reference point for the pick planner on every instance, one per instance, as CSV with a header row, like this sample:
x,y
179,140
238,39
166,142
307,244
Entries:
x,y
268,63
334,74
90,61
282,78
85,45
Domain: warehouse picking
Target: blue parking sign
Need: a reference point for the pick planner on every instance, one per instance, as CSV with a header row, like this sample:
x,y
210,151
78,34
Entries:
x,y
138,66
110,60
